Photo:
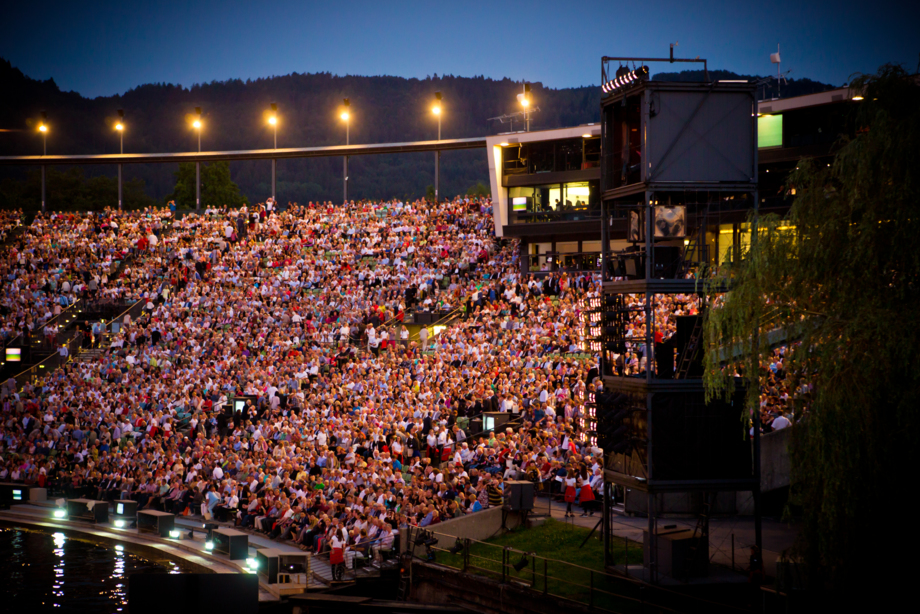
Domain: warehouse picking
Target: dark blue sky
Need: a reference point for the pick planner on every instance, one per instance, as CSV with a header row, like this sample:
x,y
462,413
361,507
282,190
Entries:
x,y
104,48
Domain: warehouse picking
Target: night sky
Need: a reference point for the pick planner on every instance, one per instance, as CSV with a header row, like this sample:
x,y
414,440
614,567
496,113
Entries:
x,y
105,48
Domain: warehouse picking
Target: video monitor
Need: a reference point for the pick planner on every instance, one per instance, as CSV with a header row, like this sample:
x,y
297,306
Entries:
x,y
13,354
520,203
670,222
635,233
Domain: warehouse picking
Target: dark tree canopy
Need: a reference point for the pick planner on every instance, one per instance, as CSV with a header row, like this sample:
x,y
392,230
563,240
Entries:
x,y
845,282
217,188
70,190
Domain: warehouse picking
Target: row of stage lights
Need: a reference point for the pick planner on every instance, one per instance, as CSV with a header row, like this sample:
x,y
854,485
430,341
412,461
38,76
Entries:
x,y
624,77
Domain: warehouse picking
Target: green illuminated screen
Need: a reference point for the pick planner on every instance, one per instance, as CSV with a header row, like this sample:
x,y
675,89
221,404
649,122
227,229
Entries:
x,y
769,131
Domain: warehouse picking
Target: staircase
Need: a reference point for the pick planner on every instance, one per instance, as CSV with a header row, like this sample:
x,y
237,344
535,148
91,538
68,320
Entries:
x,y
90,355
690,353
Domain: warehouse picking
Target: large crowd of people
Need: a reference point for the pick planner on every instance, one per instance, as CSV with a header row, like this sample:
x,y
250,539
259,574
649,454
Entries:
x,y
271,380
348,423
63,257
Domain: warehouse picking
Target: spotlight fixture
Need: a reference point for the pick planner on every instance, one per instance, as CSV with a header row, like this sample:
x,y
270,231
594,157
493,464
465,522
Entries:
x,y
175,534
626,78
457,547
521,564
60,513
252,563
119,524
209,545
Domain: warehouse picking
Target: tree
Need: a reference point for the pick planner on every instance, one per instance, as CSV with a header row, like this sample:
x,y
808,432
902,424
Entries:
x,y
217,188
841,275
480,189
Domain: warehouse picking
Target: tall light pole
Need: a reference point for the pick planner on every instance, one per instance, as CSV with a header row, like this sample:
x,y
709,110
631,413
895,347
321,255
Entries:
x,y
273,120
197,125
120,126
43,128
436,109
524,99
346,115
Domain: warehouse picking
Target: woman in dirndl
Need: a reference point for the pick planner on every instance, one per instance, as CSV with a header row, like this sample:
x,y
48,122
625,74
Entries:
x,y
586,497
570,494
337,554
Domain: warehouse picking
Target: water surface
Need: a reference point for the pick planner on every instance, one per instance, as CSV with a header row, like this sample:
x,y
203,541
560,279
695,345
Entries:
x,y
51,572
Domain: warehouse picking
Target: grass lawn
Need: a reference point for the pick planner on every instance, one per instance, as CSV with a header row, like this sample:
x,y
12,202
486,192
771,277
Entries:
x,y
567,572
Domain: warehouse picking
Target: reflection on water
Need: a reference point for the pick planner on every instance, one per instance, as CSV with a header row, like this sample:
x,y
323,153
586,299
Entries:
x,y
53,572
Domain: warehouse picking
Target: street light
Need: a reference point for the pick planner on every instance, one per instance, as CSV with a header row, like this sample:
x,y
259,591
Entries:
x,y
436,109
197,125
273,121
524,99
43,128
346,115
120,126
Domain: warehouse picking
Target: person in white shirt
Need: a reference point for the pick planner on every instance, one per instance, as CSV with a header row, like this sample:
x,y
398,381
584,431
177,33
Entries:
x,y
780,421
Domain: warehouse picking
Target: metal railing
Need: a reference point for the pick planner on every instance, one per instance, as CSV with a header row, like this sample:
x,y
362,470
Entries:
x,y
50,363
530,571
568,581
442,321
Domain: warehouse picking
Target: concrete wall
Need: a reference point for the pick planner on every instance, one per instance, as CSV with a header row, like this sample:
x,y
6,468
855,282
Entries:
x,y
479,526
775,464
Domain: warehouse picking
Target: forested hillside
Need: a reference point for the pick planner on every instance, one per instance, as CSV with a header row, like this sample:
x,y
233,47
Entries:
x,y
383,109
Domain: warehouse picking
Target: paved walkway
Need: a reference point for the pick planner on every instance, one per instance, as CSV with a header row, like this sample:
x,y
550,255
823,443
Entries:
x,y
777,536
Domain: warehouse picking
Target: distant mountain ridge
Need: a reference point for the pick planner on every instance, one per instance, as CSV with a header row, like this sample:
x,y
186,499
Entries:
x,y
384,109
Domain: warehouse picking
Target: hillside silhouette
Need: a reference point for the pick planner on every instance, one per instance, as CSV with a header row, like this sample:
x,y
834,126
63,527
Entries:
x,y
384,109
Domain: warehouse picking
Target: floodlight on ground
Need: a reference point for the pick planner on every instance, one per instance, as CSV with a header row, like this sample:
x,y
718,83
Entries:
x,y
521,564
